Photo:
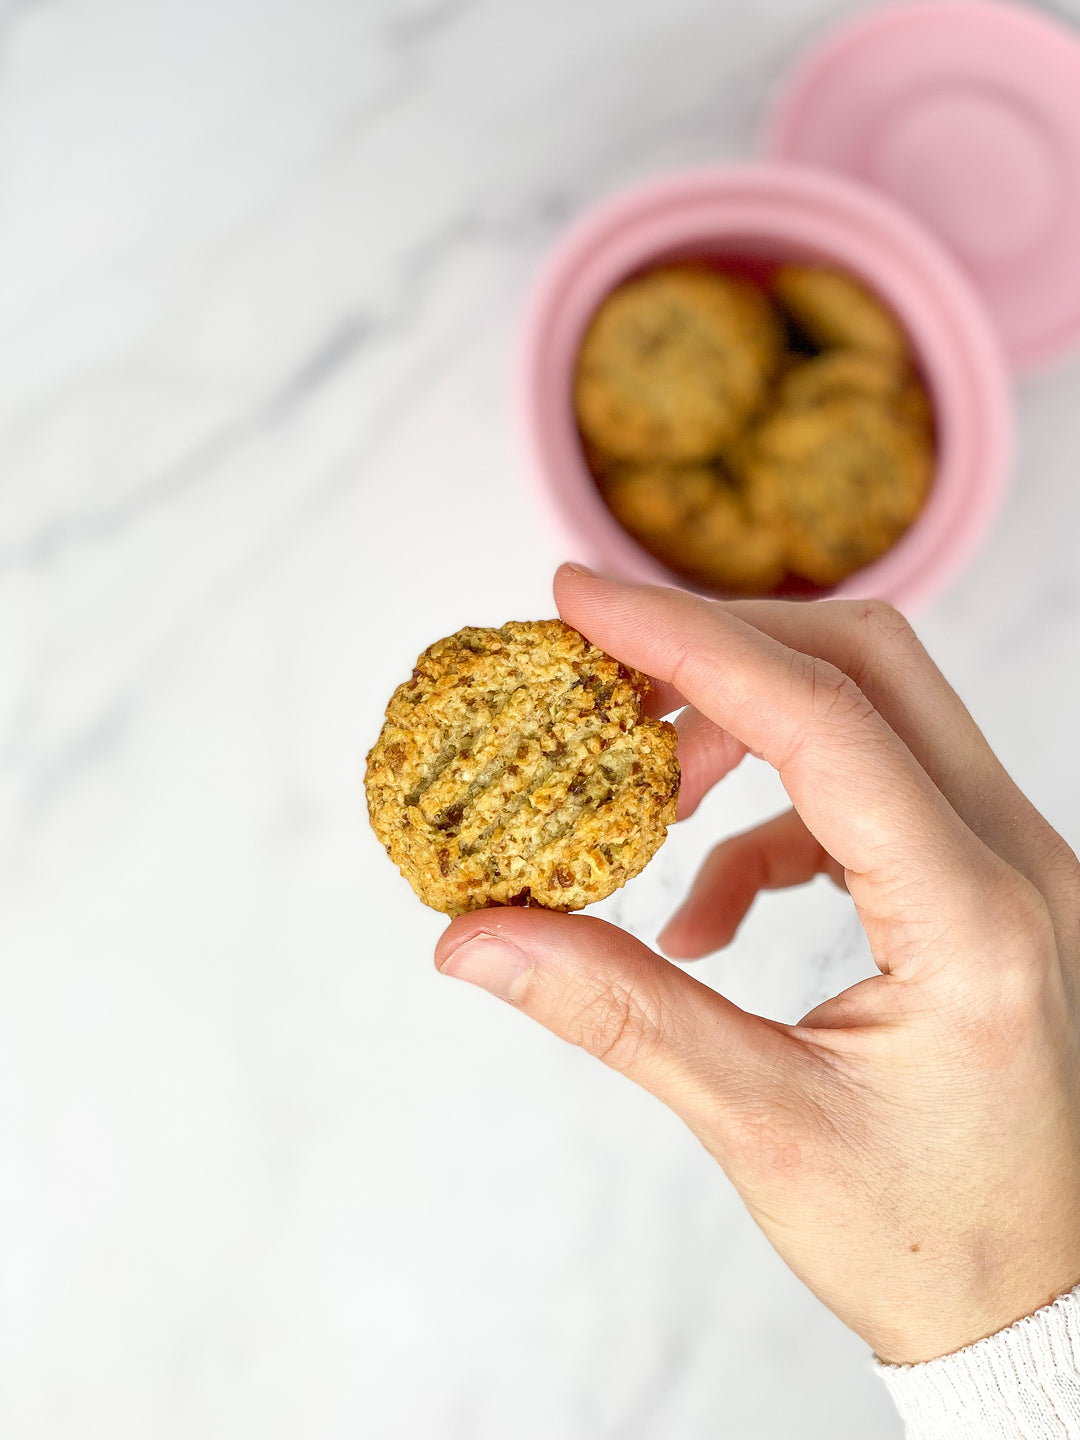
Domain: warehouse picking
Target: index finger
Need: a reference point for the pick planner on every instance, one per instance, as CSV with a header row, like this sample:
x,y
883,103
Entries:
x,y
857,786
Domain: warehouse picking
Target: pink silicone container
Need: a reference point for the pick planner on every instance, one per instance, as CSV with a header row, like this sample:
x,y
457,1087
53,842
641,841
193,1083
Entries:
x,y
769,213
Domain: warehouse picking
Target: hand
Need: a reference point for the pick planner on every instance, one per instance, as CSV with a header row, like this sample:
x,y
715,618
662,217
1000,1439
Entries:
x,y
912,1147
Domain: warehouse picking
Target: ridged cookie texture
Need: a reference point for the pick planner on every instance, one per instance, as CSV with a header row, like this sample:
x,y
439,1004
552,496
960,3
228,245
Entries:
x,y
515,767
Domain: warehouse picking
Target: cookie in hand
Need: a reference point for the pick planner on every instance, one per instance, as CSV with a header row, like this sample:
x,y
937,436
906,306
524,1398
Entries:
x,y
515,767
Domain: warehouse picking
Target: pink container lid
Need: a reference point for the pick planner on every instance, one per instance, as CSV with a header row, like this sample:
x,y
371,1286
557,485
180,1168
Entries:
x,y
967,114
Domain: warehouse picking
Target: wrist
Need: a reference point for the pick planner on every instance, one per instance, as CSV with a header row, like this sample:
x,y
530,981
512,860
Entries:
x,y
1022,1382
951,1322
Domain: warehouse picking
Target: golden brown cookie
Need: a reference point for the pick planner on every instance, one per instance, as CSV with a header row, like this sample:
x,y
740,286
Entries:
x,y
516,767
598,462
860,374
913,406
843,481
695,522
839,373
726,549
836,311
673,363
656,502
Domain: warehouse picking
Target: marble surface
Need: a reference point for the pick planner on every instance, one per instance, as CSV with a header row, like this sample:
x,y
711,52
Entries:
x,y
266,1173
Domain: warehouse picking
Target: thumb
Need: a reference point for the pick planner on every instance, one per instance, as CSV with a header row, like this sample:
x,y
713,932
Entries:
x,y
599,988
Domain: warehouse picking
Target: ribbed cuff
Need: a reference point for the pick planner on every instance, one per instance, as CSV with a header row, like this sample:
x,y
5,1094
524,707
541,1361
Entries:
x,y
1021,1384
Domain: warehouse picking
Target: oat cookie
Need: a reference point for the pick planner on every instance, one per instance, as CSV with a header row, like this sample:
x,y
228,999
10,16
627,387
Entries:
x,y
866,374
728,550
843,480
838,373
860,374
656,503
913,406
597,461
516,767
673,363
695,522
836,311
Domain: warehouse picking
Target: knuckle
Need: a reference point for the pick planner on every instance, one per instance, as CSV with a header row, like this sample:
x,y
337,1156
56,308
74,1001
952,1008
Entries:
x,y
613,1024
1016,998
884,625
883,640
1063,865
832,694
1022,920
767,1140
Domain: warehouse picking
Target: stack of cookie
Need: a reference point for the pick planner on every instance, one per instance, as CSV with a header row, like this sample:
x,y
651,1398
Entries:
x,y
743,433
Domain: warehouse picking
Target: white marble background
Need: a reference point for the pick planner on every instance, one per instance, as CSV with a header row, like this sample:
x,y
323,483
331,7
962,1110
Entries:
x,y
263,1172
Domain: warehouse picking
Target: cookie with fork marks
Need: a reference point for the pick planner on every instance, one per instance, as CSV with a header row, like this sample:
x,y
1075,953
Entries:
x,y
516,767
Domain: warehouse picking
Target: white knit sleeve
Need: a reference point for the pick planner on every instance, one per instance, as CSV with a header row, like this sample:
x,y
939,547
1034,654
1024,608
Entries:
x,y
1021,1384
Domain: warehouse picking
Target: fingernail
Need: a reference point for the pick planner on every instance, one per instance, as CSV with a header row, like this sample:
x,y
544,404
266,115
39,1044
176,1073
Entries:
x,y
495,964
579,569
